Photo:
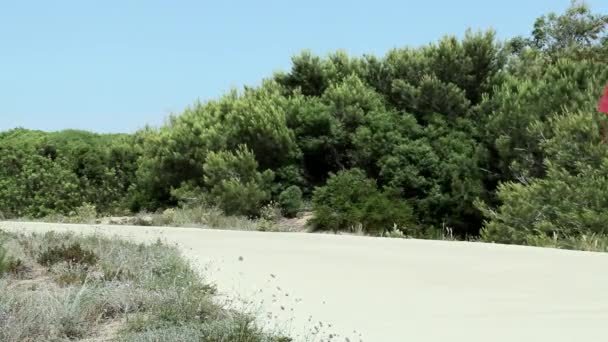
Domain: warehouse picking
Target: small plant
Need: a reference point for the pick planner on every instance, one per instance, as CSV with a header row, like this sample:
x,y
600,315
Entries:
x,y
70,275
72,254
290,201
269,215
86,213
9,264
394,233
16,267
267,226
270,212
168,216
4,259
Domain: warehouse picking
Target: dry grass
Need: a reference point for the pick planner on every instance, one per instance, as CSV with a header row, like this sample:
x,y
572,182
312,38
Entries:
x,y
189,216
210,217
588,242
130,292
199,216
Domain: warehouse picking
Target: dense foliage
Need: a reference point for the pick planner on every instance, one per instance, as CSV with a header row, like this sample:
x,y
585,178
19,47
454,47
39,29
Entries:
x,y
352,201
290,201
44,173
490,138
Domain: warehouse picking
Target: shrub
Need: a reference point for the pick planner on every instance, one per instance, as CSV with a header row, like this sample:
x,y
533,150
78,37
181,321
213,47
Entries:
x,y
188,195
4,259
569,202
350,199
236,198
166,218
9,264
86,213
337,204
17,267
270,212
269,216
234,182
290,201
66,275
562,205
54,173
72,254
380,213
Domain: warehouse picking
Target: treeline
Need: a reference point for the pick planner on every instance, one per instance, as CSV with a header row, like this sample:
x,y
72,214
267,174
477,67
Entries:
x,y
53,173
485,138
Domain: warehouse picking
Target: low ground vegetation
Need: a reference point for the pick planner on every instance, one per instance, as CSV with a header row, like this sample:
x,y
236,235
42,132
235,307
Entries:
x,y
63,287
271,218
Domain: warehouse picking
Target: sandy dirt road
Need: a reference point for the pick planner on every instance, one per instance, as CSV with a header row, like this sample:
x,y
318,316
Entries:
x,y
373,289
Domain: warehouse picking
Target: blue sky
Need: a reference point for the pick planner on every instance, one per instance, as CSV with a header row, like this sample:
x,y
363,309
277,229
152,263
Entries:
x,y
117,65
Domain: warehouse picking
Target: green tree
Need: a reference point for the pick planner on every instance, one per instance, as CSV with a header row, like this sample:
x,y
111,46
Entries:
x,y
308,75
521,101
569,201
325,127
440,174
176,153
578,32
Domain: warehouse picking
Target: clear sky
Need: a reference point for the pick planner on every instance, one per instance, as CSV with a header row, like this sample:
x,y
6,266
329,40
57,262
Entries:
x,y
117,65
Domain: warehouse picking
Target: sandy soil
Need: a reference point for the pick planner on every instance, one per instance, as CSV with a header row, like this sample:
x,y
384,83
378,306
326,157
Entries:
x,y
373,289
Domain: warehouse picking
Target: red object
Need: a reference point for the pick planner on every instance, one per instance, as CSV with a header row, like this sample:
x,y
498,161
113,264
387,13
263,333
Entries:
x,y
603,108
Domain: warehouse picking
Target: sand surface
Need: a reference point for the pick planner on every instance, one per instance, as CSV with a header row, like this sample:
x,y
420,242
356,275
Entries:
x,y
373,289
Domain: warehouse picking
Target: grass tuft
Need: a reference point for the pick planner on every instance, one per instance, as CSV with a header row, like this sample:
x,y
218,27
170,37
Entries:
x,y
109,289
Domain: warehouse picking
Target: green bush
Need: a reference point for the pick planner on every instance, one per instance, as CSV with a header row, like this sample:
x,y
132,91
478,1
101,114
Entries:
x,y
569,202
72,254
561,205
270,212
54,173
381,212
290,201
86,213
234,182
269,217
337,205
350,199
